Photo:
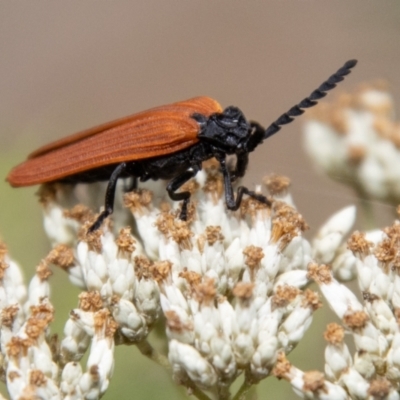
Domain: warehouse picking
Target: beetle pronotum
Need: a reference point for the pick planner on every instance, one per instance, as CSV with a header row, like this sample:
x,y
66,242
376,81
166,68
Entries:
x,y
166,142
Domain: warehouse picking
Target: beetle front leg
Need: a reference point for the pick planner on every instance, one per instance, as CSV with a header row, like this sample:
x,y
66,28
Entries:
x,y
176,183
232,203
109,200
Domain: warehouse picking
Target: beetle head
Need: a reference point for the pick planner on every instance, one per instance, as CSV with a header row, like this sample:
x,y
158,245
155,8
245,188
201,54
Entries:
x,y
227,130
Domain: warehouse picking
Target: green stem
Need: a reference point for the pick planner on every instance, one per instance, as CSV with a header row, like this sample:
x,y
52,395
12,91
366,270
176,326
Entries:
x,y
243,390
148,350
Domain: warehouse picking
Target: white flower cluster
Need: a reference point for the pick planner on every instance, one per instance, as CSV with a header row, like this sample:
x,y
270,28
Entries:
x,y
32,363
373,372
229,285
356,141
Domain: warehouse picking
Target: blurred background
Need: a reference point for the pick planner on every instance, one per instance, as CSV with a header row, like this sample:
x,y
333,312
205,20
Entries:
x,y
66,66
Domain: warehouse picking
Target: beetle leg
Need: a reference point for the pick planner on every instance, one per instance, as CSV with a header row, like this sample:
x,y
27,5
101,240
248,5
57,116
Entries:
x,y
109,200
240,168
232,203
176,183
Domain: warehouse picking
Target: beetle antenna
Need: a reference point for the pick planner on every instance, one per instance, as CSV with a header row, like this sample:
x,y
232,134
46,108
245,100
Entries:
x,y
311,100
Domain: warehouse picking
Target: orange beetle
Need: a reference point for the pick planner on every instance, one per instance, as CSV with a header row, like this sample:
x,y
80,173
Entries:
x,y
166,142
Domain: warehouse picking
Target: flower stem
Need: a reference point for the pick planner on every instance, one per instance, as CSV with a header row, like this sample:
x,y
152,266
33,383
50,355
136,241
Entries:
x,y
243,390
148,350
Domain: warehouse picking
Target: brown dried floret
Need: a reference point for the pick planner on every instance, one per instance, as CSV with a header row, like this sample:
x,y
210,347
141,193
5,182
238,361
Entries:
x,y
311,299
3,266
43,271
104,323
178,230
90,301
214,185
356,319
253,256
397,314
125,241
355,154
205,292
3,250
283,295
93,238
80,213
18,346
314,381
175,324
161,270
276,184
41,317
334,334
321,274
8,315
243,290
358,244
62,256
37,378
138,200
191,186
94,372
13,375
282,367
143,267
379,388
252,207
193,278
213,234
287,223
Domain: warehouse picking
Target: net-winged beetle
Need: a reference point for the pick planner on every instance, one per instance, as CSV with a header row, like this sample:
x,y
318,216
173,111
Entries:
x,y
166,142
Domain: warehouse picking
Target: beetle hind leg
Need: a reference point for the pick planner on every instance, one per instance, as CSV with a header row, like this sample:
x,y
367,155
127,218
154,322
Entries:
x,y
176,183
109,200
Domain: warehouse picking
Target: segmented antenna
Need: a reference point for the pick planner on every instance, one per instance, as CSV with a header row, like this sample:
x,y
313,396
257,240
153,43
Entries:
x,y
311,100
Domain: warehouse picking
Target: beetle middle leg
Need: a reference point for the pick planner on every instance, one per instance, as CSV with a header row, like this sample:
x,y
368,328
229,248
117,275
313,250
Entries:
x,y
176,183
110,195
232,203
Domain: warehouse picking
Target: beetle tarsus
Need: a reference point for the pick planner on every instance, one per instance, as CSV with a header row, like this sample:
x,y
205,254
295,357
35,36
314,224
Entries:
x,y
176,183
109,198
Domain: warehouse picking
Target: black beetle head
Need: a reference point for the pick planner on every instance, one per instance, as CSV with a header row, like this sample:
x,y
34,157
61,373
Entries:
x,y
227,130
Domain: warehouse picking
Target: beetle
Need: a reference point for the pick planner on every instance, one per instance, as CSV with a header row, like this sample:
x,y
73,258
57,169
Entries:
x,y
167,142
